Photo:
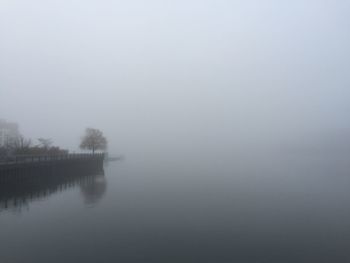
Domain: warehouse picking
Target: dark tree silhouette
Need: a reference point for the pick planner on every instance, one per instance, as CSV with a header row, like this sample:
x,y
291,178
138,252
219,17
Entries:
x,y
93,140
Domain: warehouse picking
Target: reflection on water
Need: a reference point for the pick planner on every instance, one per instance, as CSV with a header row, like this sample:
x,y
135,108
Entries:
x,y
18,193
282,209
94,188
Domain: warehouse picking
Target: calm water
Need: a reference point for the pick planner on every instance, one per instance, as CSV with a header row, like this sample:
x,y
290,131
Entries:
x,y
158,209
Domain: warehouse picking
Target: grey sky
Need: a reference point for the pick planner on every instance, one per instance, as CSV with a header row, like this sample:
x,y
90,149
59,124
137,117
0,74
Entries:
x,y
159,73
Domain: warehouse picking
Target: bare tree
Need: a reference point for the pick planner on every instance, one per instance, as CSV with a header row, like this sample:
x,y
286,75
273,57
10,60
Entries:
x,y
93,140
17,143
45,142
23,143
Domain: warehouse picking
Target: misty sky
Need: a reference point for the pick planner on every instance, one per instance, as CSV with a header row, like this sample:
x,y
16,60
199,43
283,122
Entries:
x,y
175,73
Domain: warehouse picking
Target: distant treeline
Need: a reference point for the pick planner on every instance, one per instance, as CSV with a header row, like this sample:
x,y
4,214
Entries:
x,y
16,144
21,146
36,150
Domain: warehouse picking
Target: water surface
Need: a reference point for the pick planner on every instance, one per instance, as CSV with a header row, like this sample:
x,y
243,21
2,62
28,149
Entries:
x,y
251,209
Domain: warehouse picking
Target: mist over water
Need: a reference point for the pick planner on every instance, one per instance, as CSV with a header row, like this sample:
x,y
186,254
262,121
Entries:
x,y
232,117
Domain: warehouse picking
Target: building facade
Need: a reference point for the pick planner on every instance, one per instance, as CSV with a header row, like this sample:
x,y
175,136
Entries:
x,y
8,132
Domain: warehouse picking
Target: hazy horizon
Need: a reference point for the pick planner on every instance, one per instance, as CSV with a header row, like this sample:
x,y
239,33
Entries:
x,y
184,75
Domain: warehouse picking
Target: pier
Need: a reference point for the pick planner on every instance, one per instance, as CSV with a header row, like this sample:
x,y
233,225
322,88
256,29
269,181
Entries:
x,y
23,166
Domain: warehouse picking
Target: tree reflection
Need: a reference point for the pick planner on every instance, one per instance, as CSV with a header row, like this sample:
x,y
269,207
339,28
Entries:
x,y
94,189
17,192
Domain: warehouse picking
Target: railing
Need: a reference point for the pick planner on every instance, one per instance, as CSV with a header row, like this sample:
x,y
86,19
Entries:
x,y
17,159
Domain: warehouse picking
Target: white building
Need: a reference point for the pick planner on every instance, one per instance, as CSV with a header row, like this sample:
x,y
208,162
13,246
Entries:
x,y
8,132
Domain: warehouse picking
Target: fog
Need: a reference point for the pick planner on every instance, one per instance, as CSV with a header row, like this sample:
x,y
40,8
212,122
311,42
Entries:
x,y
176,76
232,116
